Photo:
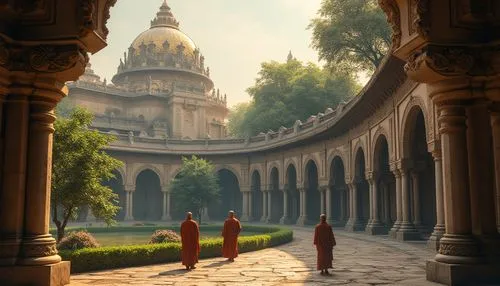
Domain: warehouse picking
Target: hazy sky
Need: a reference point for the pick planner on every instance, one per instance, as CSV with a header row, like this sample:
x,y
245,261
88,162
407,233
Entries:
x,y
235,36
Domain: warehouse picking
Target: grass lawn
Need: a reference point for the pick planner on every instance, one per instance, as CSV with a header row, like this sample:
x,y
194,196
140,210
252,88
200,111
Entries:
x,y
131,238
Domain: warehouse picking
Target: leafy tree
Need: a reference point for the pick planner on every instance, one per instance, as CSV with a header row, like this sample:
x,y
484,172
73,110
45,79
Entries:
x,y
285,92
196,186
351,34
79,167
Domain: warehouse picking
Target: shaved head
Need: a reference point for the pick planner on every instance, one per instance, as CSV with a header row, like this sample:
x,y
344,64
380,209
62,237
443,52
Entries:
x,y
231,214
322,217
189,215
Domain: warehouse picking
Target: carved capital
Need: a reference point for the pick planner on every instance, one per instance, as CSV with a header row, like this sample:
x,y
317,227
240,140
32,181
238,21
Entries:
x,y
391,9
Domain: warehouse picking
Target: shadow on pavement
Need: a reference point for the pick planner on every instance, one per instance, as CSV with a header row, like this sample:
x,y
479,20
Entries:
x,y
174,272
217,264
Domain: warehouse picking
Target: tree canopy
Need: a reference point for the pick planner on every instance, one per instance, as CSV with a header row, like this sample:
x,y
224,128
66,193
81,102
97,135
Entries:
x,y
79,166
286,92
351,34
195,187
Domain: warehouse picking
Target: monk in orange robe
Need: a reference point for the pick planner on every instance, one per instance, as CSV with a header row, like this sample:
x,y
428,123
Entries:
x,y
190,237
232,229
324,241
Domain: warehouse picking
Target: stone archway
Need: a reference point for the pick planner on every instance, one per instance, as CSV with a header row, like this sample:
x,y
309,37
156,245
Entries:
x,y
339,203
312,195
256,210
275,211
147,198
421,174
293,195
231,197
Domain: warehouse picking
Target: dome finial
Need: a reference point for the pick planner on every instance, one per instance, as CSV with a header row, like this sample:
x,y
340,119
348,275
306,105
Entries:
x,y
290,56
164,17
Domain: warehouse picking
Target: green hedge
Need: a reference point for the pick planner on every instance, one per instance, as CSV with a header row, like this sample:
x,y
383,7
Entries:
x,y
91,259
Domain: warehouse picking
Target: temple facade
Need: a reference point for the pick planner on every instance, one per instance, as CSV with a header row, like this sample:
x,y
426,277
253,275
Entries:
x,y
416,154
162,88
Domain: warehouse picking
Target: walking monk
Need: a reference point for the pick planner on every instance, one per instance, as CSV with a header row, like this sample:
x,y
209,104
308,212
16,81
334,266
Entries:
x,y
232,228
324,241
190,237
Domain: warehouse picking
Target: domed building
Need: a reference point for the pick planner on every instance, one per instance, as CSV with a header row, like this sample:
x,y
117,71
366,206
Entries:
x,y
162,88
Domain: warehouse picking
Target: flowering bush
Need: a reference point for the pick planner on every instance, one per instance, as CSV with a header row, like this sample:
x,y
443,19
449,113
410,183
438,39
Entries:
x,y
165,235
78,240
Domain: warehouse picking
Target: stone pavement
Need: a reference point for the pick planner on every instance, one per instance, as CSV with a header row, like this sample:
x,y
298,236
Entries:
x,y
359,259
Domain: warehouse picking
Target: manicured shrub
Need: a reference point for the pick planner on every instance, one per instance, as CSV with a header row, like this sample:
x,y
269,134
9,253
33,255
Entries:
x,y
165,235
91,259
77,240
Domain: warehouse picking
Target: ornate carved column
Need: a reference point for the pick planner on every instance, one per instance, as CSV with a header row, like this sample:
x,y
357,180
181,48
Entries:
x,y
264,206
399,214
439,229
244,215
322,201
250,205
329,207
342,198
375,226
354,223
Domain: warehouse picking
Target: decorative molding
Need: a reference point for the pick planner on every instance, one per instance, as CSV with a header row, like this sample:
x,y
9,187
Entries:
x,y
88,10
458,249
52,59
106,16
420,18
391,9
39,250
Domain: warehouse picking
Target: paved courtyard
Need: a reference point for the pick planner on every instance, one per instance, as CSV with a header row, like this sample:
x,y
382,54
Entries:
x,y
359,259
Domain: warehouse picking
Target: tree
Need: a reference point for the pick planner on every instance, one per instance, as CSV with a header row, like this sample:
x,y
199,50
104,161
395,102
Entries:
x,y
196,186
80,165
286,92
351,34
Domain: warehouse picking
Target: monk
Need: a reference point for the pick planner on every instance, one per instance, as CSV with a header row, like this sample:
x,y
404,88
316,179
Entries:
x,y
190,237
324,241
232,229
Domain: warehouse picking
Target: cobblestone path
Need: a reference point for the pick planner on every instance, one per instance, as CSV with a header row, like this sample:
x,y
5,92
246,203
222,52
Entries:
x,y
359,259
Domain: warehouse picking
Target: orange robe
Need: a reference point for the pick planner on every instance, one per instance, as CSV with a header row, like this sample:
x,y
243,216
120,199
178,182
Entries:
x,y
232,228
190,237
324,241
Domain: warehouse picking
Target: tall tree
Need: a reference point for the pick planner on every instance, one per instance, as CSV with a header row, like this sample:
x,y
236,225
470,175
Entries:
x,y
285,92
195,187
351,34
79,166
236,119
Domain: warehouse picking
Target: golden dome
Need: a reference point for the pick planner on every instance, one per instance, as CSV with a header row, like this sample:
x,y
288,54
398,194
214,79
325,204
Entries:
x,y
165,35
162,37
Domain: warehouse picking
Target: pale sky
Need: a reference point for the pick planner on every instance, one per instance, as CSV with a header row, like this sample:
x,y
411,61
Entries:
x,y
235,36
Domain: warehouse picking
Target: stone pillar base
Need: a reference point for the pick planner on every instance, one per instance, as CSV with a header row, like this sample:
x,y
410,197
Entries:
x,y
129,218
44,275
403,235
245,218
336,223
263,219
433,242
462,274
375,229
354,225
302,220
166,218
286,220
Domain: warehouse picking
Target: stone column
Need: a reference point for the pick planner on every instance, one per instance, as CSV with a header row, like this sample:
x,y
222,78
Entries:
x,y
264,206
129,190
407,230
204,215
302,220
12,194
329,206
342,197
417,220
250,205
481,178
439,229
286,217
397,223
244,215
166,204
495,124
269,206
457,246
375,226
322,196
354,223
